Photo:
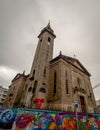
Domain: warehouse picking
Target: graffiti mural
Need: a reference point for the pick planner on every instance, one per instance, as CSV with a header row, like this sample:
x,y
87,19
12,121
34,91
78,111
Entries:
x,y
29,119
39,103
56,121
7,117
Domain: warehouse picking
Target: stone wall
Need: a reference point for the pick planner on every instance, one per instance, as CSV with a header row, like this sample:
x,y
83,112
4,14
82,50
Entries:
x,y
66,71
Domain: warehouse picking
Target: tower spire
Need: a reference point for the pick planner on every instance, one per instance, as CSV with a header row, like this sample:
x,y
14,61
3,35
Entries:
x,y
48,26
47,29
60,53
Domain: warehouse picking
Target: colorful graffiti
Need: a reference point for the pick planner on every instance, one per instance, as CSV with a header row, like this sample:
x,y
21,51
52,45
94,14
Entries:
x,y
39,103
7,117
56,121
29,119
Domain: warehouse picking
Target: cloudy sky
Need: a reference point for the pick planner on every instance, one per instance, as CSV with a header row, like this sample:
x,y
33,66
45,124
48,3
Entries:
x,y
76,24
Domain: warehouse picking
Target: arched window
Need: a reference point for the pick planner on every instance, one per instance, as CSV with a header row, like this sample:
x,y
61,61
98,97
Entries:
x,y
30,89
49,40
44,71
67,91
47,53
66,82
78,82
35,86
55,82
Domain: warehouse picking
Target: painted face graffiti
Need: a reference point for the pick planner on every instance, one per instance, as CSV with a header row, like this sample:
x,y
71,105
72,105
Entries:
x,y
23,120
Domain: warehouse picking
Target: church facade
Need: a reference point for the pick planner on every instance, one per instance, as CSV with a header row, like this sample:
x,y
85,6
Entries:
x,y
55,84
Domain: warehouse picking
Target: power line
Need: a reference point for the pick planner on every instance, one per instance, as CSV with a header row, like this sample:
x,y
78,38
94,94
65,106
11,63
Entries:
x,y
96,86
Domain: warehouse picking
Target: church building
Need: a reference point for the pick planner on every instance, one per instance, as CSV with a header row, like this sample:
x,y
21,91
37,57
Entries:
x,y
53,83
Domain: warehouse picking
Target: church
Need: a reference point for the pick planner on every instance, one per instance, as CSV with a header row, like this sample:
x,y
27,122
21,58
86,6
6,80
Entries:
x,y
53,83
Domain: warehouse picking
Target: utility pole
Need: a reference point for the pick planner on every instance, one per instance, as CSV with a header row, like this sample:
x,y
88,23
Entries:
x,y
76,106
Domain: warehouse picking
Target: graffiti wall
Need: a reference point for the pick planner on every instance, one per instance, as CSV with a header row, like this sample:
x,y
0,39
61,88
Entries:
x,y
7,117
28,119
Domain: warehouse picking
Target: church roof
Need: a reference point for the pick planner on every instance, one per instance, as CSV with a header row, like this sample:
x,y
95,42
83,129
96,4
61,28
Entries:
x,y
19,76
73,61
48,29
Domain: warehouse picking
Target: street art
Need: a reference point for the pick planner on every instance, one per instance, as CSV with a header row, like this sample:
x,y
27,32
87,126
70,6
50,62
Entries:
x,y
39,103
7,117
29,119
56,121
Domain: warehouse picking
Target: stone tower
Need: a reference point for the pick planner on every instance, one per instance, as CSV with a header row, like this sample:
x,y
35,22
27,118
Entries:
x,y
39,73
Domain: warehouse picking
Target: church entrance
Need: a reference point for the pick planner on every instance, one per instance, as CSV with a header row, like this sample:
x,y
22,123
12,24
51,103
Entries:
x,y
83,105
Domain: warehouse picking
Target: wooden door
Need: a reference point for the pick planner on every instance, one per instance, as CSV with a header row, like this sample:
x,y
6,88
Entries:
x,y
83,104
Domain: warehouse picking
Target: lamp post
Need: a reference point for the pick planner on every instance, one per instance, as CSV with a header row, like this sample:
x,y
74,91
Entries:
x,y
76,105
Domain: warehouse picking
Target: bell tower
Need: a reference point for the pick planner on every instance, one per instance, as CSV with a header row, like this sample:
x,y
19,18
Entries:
x,y
39,71
44,51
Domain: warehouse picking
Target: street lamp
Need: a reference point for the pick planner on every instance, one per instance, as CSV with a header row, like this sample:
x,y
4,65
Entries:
x,y
76,105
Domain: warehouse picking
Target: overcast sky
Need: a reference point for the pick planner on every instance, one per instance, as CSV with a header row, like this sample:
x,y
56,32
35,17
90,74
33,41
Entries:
x,y
76,24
